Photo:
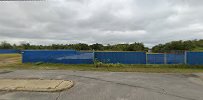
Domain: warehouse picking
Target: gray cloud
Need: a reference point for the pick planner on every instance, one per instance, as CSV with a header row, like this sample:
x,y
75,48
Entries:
x,y
101,21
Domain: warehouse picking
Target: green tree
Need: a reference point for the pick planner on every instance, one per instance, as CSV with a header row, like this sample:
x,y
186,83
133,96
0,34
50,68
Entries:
x,y
158,48
120,47
80,46
25,46
5,45
174,45
97,46
136,47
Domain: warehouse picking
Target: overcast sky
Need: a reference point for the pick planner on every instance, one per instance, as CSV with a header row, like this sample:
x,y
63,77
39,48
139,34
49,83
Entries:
x,y
101,21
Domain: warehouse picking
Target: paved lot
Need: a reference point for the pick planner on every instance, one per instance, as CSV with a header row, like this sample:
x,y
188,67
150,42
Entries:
x,y
111,86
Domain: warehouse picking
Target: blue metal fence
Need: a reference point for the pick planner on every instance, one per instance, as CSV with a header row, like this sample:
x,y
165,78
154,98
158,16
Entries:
x,y
165,58
57,56
155,58
8,51
194,58
175,58
121,57
76,57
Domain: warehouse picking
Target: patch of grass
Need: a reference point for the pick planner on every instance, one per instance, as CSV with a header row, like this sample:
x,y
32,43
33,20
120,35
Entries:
x,y
98,66
110,68
5,56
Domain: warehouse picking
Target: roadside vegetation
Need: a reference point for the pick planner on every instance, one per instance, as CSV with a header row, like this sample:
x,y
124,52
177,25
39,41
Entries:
x,y
194,45
189,45
13,62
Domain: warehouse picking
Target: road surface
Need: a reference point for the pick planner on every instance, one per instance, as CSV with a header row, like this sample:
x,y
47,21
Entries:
x,y
111,86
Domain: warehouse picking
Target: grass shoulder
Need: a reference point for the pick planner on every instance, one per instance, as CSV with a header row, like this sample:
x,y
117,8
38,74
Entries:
x,y
13,62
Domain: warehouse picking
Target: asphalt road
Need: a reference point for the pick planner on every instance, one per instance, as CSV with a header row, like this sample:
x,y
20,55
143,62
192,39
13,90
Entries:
x,y
111,86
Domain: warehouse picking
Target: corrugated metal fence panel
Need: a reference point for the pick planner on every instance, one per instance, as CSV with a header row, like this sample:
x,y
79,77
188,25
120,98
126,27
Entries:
x,y
58,56
194,58
121,57
175,58
8,51
74,57
155,58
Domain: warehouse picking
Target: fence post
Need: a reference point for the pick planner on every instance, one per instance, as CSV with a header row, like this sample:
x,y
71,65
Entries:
x,y
146,58
185,57
93,57
165,58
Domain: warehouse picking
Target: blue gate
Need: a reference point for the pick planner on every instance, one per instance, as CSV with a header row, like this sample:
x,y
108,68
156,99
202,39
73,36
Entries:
x,y
175,58
165,58
155,58
121,57
194,58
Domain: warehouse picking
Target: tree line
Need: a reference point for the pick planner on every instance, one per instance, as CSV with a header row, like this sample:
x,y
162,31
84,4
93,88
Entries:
x,y
136,46
79,46
189,45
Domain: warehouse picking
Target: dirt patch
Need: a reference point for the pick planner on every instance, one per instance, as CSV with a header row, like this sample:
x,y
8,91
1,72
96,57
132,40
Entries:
x,y
191,75
13,60
196,80
5,72
34,85
184,75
